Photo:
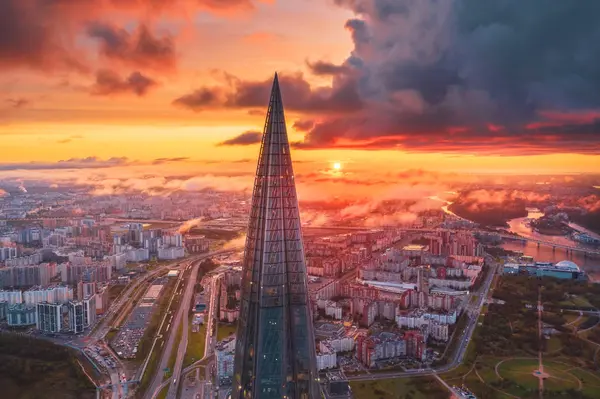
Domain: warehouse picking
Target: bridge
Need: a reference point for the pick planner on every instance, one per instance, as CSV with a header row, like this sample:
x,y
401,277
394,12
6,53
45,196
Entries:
x,y
554,245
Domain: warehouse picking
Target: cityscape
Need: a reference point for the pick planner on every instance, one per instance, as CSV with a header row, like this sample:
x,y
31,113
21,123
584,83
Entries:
x,y
403,205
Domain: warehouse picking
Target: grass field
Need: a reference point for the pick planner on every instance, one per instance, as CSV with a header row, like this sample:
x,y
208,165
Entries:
x,y
553,344
577,301
504,378
399,388
163,393
196,344
570,316
224,330
173,356
521,372
114,291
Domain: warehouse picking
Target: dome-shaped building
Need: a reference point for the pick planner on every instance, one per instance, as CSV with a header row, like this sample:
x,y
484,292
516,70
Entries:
x,y
567,265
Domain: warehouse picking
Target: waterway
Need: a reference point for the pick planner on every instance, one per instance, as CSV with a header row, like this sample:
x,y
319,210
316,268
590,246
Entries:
x,y
545,253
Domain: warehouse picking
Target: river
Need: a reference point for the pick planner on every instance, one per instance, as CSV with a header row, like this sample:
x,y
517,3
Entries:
x,y
544,253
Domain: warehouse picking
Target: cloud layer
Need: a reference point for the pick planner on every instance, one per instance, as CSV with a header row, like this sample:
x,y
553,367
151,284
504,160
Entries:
x,y
246,138
297,93
109,82
467,75
46,35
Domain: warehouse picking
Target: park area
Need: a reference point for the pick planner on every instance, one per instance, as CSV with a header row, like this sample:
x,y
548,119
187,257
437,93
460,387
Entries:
x,y
399,388
512,356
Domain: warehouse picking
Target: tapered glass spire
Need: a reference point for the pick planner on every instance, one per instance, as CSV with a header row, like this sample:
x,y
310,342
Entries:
x,y
275,348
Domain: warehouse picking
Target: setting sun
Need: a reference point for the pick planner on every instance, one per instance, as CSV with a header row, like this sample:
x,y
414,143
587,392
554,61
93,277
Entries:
x,y
337,166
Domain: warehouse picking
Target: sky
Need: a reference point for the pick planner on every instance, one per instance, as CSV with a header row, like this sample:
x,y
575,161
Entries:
x,y
180,87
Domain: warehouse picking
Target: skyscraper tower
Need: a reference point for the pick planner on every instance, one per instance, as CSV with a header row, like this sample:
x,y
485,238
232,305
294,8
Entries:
x,y
275,348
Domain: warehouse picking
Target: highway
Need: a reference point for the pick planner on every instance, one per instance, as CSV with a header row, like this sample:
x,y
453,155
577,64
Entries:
x,y
116,307
182,313
106,323
168,346
213,291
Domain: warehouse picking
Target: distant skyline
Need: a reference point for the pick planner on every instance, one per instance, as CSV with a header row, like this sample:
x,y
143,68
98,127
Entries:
x,y
175,86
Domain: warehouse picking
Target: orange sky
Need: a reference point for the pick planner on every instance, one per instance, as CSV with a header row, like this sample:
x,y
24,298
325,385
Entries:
x,y
51,113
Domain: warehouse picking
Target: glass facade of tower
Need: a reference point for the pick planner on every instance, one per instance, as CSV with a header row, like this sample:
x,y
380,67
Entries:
x,y
275,348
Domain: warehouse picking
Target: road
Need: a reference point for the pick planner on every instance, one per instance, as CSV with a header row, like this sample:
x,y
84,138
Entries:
x,y
184,311
106,323
157,382
209,347
211,340
473,311
168,346
103,326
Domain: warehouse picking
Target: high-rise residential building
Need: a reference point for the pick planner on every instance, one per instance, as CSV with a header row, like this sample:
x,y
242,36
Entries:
x,y
8,252
89,310
85,289
275,346
55,294
11,297
25,276
21,314
49,317
76,317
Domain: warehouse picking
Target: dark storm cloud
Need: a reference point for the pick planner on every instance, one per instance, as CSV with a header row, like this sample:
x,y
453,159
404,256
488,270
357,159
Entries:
x,y
246,138
109,82
199,99
469,75
296,92
326,68
140,48
303,125
43,34
28,36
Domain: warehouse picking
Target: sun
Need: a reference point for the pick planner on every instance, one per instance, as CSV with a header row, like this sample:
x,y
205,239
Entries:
x,y
337,165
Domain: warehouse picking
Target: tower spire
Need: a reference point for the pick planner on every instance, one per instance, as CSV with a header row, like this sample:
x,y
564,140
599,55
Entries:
x,y
275,348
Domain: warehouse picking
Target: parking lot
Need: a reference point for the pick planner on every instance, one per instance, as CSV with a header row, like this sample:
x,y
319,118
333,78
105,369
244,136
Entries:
x,y
127,340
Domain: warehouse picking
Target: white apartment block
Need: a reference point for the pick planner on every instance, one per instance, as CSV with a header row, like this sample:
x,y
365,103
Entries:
x,y
11,297
58,294
326,357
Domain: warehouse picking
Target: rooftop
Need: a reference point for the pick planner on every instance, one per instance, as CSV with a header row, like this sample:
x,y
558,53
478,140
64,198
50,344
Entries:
x,y
414,247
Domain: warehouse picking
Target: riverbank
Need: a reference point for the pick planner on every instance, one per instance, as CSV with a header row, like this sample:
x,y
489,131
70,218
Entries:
x,y
521,226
